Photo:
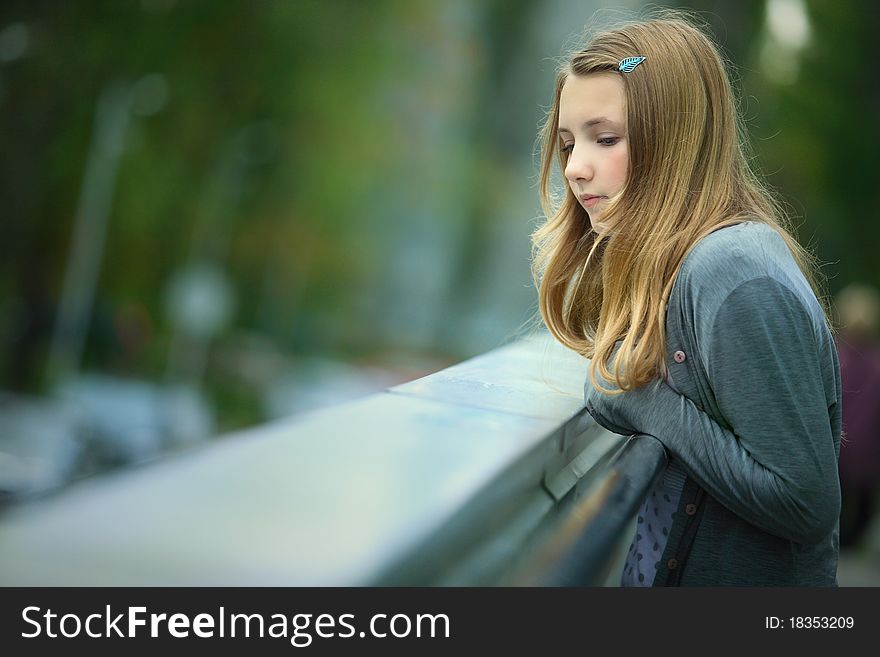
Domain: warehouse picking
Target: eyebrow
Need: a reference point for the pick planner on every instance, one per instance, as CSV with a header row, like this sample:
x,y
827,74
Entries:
x,y
590,124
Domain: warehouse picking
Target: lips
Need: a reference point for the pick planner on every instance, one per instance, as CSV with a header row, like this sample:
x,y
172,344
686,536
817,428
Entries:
x,y
589,200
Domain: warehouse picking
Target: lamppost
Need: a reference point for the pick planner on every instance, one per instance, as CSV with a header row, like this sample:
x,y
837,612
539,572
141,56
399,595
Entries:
x,y
118,101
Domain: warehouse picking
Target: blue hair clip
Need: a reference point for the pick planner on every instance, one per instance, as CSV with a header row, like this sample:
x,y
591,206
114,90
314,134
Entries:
x,y
628,64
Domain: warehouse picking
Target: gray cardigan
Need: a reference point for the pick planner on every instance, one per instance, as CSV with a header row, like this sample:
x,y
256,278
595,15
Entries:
x,y
757,424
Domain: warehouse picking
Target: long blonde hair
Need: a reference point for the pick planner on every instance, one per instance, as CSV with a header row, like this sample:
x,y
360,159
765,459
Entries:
x,y
688,175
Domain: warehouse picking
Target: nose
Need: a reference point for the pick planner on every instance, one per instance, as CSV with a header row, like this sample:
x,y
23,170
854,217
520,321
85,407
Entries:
x,y
578,167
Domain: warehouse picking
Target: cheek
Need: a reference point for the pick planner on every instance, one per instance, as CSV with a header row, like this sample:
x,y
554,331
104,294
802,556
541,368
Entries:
x,y
617,166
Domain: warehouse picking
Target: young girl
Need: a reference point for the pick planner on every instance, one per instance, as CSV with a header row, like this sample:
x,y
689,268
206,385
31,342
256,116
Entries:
x,y
668,264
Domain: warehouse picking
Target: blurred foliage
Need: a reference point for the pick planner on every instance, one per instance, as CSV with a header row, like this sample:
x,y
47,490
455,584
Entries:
x,y
294,144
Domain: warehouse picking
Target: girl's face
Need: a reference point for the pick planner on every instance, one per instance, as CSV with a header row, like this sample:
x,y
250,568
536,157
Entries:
x,y
592,129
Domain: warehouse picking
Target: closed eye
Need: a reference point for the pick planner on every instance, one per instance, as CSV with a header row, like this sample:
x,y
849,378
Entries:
x,y
602,141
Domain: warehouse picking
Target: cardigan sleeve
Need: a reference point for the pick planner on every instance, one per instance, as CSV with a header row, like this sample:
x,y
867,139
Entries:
x,y
776,466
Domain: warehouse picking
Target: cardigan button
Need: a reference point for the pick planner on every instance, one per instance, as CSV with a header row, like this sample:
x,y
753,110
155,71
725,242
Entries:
x,y
679,356
672,564
690,509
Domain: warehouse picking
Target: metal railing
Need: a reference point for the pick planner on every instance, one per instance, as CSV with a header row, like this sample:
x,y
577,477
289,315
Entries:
x,y
489,472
